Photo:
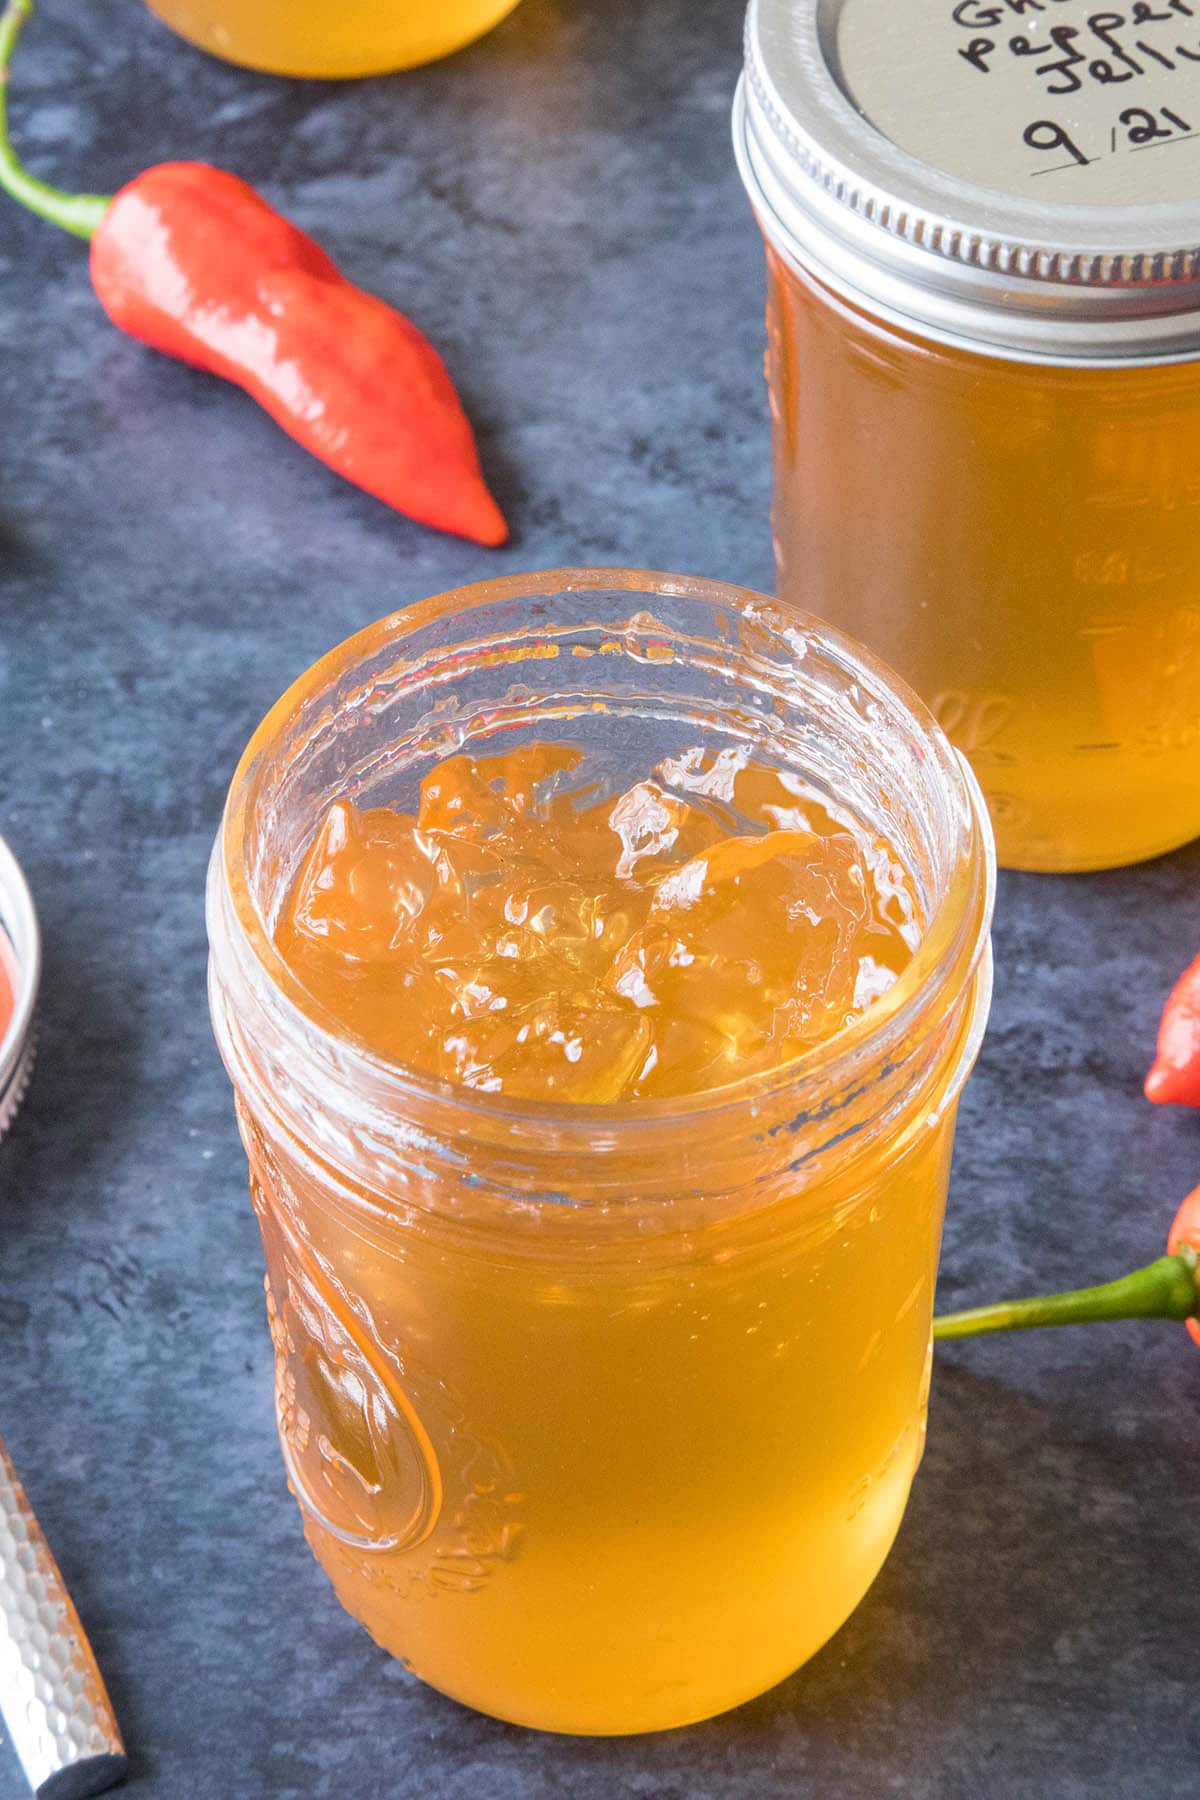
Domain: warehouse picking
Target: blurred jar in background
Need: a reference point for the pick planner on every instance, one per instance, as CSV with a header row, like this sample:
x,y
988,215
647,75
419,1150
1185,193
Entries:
x,y
313,37
984,373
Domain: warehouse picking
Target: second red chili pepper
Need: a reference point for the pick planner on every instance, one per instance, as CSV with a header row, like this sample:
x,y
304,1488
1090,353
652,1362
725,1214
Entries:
x,y
190,260
1174,1078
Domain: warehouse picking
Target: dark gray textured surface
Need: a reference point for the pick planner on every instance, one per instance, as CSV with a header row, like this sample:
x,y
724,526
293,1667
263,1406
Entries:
x,y
559,206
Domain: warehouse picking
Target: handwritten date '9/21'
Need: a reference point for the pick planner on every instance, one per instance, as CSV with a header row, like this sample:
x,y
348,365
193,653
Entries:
x,y
1138,127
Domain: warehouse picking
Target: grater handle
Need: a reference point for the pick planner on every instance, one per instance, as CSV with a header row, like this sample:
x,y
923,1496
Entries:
x,y
51,1692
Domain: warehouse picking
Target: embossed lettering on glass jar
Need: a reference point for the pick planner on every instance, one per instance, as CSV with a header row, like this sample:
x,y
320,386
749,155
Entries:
x,y
602,1416
984,362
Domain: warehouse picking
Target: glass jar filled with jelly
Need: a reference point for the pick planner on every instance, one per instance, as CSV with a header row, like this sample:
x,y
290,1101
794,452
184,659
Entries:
x,y
983,243
598,957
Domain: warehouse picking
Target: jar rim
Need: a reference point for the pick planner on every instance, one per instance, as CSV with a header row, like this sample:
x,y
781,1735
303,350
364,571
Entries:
x,y
957,927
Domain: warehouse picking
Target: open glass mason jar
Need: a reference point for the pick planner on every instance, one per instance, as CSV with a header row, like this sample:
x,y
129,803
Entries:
x,y
984,326
603,1417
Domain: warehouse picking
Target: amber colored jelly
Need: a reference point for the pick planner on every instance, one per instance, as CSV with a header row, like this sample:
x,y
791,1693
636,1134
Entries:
x,y
520,935
310,37
1020,542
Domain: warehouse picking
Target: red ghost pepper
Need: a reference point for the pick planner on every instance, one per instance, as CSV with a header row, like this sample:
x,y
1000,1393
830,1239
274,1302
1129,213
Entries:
x,y
1175,1076
193,262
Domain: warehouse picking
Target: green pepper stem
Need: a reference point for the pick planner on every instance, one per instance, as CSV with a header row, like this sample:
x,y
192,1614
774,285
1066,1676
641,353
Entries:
x,y
79,214
1166,1289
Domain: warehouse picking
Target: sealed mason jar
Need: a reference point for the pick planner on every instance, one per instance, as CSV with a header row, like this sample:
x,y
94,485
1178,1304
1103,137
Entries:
x,y
602,1417
984,325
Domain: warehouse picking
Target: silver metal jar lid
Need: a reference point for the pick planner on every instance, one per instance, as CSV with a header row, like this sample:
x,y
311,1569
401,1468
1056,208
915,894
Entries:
x,y
1019,176
23,967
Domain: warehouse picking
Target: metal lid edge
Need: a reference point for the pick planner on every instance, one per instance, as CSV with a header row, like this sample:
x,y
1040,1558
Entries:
x,y
840,190
972,305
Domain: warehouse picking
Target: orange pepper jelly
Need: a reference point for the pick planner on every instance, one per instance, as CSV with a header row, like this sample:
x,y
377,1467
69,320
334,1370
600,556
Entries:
x,y
528,931
597,986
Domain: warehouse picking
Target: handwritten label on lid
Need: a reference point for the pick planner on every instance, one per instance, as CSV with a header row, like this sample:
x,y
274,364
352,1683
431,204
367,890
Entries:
x,y
1054,100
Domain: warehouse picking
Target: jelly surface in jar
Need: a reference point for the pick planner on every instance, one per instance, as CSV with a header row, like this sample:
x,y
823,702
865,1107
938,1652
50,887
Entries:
x,y
531,932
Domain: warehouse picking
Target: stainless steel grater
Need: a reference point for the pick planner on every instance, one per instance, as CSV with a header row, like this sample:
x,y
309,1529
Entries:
x,y
51,1692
